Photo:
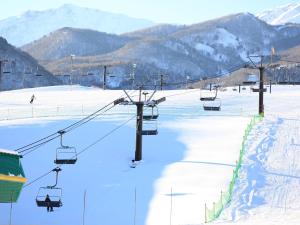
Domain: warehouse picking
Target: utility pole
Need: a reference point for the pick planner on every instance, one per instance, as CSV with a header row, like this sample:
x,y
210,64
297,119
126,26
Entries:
x,y
104,77
261,88
71,75
1,68
139,129
161,81
2,62
261,84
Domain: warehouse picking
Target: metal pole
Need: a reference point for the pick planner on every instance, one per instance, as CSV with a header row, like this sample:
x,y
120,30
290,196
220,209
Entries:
x,y
104,77
139,129
11,205
1,70
261,91
270,86
210,87
84,200
171,207
205,213
161,81
134,218
239,88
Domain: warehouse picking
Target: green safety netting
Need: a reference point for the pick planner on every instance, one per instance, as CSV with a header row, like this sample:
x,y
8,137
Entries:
x,y
213,213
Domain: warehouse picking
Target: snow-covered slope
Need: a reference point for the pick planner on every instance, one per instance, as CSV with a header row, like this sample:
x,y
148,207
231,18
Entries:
x,y
33,25
184,167
285,14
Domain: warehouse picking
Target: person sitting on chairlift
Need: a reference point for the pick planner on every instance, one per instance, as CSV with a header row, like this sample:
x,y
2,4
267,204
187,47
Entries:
x,y
48,202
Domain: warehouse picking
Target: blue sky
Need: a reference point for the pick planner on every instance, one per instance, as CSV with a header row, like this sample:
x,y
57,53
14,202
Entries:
x,y
168,11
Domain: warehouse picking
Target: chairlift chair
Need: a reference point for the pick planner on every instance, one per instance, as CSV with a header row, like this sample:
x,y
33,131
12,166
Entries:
x,y
65,154
150,113
212,106
210,98
149,127
27,72
54,193
90,73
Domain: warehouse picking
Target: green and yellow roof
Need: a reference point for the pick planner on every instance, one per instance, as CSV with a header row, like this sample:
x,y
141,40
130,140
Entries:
x,y
12,176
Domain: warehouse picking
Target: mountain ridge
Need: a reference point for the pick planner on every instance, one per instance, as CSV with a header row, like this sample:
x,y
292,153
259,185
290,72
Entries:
x,y
35,24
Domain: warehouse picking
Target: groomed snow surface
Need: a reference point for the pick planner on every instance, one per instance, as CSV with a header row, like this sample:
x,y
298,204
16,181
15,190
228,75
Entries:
x,y
185,166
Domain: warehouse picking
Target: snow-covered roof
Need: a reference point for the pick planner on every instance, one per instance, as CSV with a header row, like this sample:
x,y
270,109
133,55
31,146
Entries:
x,y
9,151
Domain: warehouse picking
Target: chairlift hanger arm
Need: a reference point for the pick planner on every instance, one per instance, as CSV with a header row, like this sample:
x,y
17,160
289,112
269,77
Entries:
x,y
57,170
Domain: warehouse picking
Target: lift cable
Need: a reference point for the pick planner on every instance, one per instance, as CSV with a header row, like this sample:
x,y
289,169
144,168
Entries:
x,y
75,125
84,149
190,81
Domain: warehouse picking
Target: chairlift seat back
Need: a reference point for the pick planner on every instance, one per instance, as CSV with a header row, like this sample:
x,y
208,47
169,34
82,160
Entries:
x,y
150,117
212,108
149,132
54,204
66,155
207,98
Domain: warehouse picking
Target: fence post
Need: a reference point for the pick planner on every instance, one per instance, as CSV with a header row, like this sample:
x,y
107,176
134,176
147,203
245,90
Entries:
x,y
222,199
205,213
214,209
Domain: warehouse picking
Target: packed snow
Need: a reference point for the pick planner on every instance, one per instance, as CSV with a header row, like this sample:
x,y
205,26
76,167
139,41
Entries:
x,y
184,167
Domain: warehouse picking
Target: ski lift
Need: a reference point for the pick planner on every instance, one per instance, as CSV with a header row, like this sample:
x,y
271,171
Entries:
x,y
90,73
6,71
150,112
65,154
28,71
5,67
53,193
150,127
37,73
212,106
210,98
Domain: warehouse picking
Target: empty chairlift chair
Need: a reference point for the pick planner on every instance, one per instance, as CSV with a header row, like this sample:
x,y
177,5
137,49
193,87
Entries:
x,y
150,120
150,127
209,97
212,106
50,196
65,154
150,113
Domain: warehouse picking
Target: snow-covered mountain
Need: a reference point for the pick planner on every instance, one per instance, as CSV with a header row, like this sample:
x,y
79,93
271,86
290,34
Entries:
x,y
289,13
33,25
20,70
80,42
201,50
